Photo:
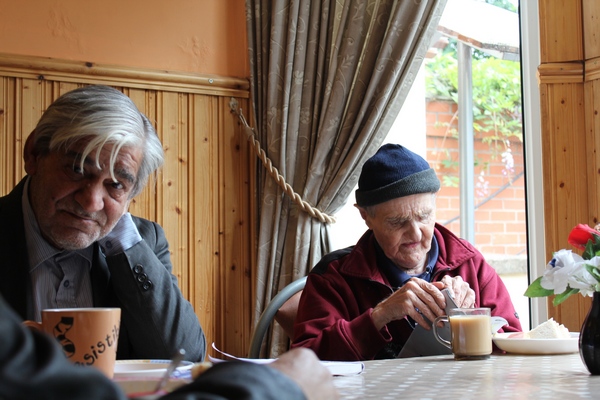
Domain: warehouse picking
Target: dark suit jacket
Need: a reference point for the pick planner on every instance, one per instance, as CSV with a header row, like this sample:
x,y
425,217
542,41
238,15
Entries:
x,y
155,318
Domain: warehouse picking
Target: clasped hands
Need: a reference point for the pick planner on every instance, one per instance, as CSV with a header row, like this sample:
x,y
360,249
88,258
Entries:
x,y
420,299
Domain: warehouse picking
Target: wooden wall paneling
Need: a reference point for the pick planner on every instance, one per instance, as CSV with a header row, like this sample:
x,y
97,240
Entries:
x,y
592,133
173,126
204,218
567,28
592,129
24,102
64,87
25,119
82,72
246,226
235,250
564,143
560,30
6,140
591,31
154,203
253,220
242,224
145,203
30,98
565,176
8,146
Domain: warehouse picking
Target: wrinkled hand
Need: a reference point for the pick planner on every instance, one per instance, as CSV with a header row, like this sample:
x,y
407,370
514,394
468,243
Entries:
x,y
417,299
303,367
464,296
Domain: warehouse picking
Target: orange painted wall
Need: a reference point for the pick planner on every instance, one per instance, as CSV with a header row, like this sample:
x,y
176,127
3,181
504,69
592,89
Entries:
x,y
198,36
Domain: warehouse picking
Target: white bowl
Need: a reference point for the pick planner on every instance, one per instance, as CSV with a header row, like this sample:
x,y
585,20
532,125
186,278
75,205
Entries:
x,y
519,345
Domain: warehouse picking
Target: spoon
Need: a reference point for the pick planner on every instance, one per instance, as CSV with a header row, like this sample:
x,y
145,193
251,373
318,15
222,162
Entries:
x,y
175,361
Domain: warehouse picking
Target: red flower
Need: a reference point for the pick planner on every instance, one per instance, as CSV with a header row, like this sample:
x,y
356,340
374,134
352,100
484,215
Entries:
x,y
580,235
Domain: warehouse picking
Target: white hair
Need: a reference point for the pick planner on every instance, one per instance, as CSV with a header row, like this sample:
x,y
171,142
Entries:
x,y
102,115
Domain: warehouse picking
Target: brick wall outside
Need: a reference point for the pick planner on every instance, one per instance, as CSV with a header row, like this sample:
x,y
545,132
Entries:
x,y
500,227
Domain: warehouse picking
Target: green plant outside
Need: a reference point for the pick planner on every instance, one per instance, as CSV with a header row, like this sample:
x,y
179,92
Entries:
x,y
497,117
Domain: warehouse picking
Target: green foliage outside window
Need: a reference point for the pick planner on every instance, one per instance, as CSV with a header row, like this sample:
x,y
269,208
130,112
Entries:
x,y
497,115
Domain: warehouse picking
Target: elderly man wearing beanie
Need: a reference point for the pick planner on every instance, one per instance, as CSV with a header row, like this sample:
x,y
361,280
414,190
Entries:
x,y
362,302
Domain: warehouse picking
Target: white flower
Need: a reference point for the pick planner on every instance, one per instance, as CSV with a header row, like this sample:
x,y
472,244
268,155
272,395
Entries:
x,y
583,280
558,271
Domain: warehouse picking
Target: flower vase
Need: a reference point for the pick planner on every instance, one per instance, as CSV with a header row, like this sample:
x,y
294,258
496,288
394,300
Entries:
x,y
589,338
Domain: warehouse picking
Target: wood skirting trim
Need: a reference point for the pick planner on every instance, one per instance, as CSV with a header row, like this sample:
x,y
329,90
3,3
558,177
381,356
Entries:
x,y
87,72
592,69
569,72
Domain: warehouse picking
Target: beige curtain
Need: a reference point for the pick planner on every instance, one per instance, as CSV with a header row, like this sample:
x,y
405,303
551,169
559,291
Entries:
x,y
327,80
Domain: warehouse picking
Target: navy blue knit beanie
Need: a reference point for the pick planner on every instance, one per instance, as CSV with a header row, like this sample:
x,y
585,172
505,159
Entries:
x,y
394,171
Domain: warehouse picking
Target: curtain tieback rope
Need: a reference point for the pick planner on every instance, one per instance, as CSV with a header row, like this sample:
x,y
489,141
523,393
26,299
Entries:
x,y
279,179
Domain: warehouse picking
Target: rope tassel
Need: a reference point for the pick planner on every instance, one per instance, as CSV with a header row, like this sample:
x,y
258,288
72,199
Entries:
x,y
274,172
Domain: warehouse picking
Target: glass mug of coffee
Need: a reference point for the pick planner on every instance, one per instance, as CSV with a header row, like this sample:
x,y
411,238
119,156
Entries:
x,y
470,332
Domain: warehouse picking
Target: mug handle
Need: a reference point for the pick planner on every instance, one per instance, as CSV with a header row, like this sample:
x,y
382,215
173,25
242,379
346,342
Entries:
x,y
443,341
33,324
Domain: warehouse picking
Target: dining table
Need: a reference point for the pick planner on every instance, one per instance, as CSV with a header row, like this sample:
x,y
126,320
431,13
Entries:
x,y
501,376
